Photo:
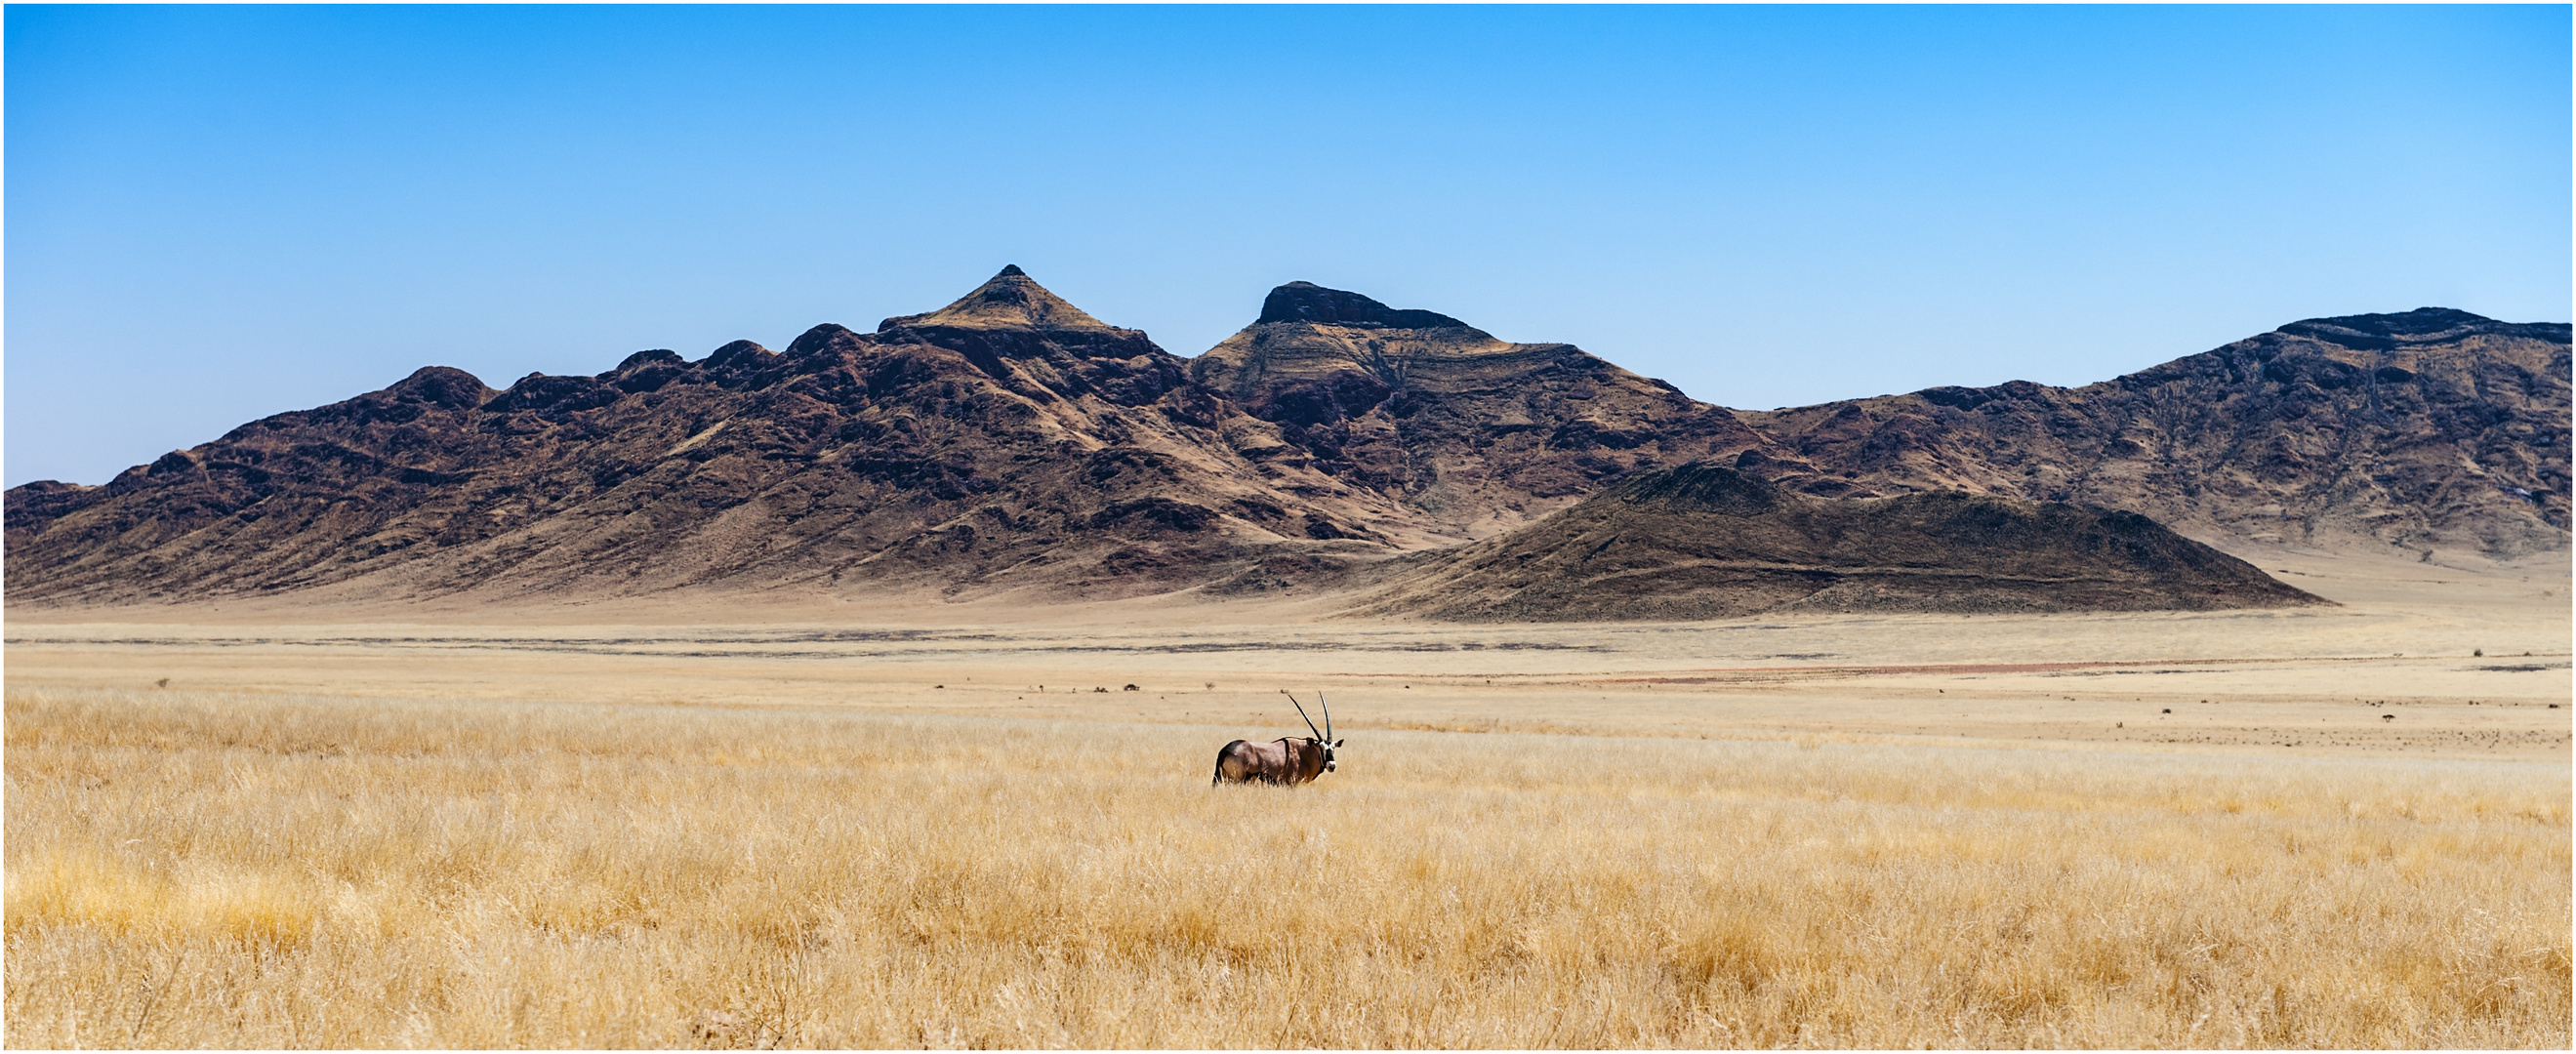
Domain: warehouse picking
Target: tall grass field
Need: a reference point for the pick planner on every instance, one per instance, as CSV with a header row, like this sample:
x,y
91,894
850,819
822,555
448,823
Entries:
x,y
212,870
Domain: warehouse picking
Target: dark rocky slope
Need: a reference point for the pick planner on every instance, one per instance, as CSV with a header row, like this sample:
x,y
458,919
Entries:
x,y
1701,542
2432,428
1477,433
1008,441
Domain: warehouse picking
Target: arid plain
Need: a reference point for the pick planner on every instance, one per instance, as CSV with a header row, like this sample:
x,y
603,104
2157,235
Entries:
x,y
955,826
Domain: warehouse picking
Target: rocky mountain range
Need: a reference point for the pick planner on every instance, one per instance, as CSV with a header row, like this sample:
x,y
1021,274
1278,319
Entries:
x,y
1702,542
1011,444
2428,428
1008,441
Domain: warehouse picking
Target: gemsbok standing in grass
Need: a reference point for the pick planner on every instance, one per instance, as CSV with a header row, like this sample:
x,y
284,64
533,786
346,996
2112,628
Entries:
x,y
1287,761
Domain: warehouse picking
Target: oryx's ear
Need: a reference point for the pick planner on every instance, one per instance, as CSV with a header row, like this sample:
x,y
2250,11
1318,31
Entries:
x,y
1339,742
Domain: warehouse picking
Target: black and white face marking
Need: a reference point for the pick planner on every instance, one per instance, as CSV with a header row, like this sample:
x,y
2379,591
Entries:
x,y
1329,748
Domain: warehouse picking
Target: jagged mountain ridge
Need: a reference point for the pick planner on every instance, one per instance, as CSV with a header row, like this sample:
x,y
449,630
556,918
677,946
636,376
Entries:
x,y
1701,541
1006,442
1010,442
2429,428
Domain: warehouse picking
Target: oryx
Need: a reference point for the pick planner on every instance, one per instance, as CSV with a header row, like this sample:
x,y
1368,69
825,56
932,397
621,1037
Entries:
x,y
1287,761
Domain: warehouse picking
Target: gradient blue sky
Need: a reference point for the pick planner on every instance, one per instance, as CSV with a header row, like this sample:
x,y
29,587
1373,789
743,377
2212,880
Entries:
x,y
214,213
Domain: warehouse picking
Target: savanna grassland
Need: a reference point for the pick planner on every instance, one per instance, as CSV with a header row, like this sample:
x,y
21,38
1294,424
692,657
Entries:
x,y
2335,827
230,869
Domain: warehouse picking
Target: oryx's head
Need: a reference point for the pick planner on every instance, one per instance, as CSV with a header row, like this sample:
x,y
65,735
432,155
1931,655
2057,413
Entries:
x,y
1323,739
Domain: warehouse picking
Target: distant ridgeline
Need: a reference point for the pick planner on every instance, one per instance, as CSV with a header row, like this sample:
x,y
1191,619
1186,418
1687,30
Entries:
x,y
1011,444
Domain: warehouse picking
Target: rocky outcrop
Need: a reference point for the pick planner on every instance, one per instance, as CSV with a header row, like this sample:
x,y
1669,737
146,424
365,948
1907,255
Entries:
x,y
1476,433
1701,542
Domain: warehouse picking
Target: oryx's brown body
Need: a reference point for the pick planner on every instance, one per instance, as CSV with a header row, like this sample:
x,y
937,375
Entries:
x,y
1287,762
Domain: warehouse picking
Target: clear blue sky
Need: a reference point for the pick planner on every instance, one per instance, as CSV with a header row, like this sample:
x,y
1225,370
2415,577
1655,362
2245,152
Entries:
x,y
214,214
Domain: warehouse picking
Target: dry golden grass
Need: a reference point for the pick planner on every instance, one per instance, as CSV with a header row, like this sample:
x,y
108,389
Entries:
x,y
210,869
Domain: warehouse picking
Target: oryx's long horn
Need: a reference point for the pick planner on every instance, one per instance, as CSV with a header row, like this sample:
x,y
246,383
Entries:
x,y
1328,715
1301,712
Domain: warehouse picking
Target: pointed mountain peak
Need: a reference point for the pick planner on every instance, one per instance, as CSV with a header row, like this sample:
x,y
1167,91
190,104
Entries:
x,y
1011,300
1308,302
